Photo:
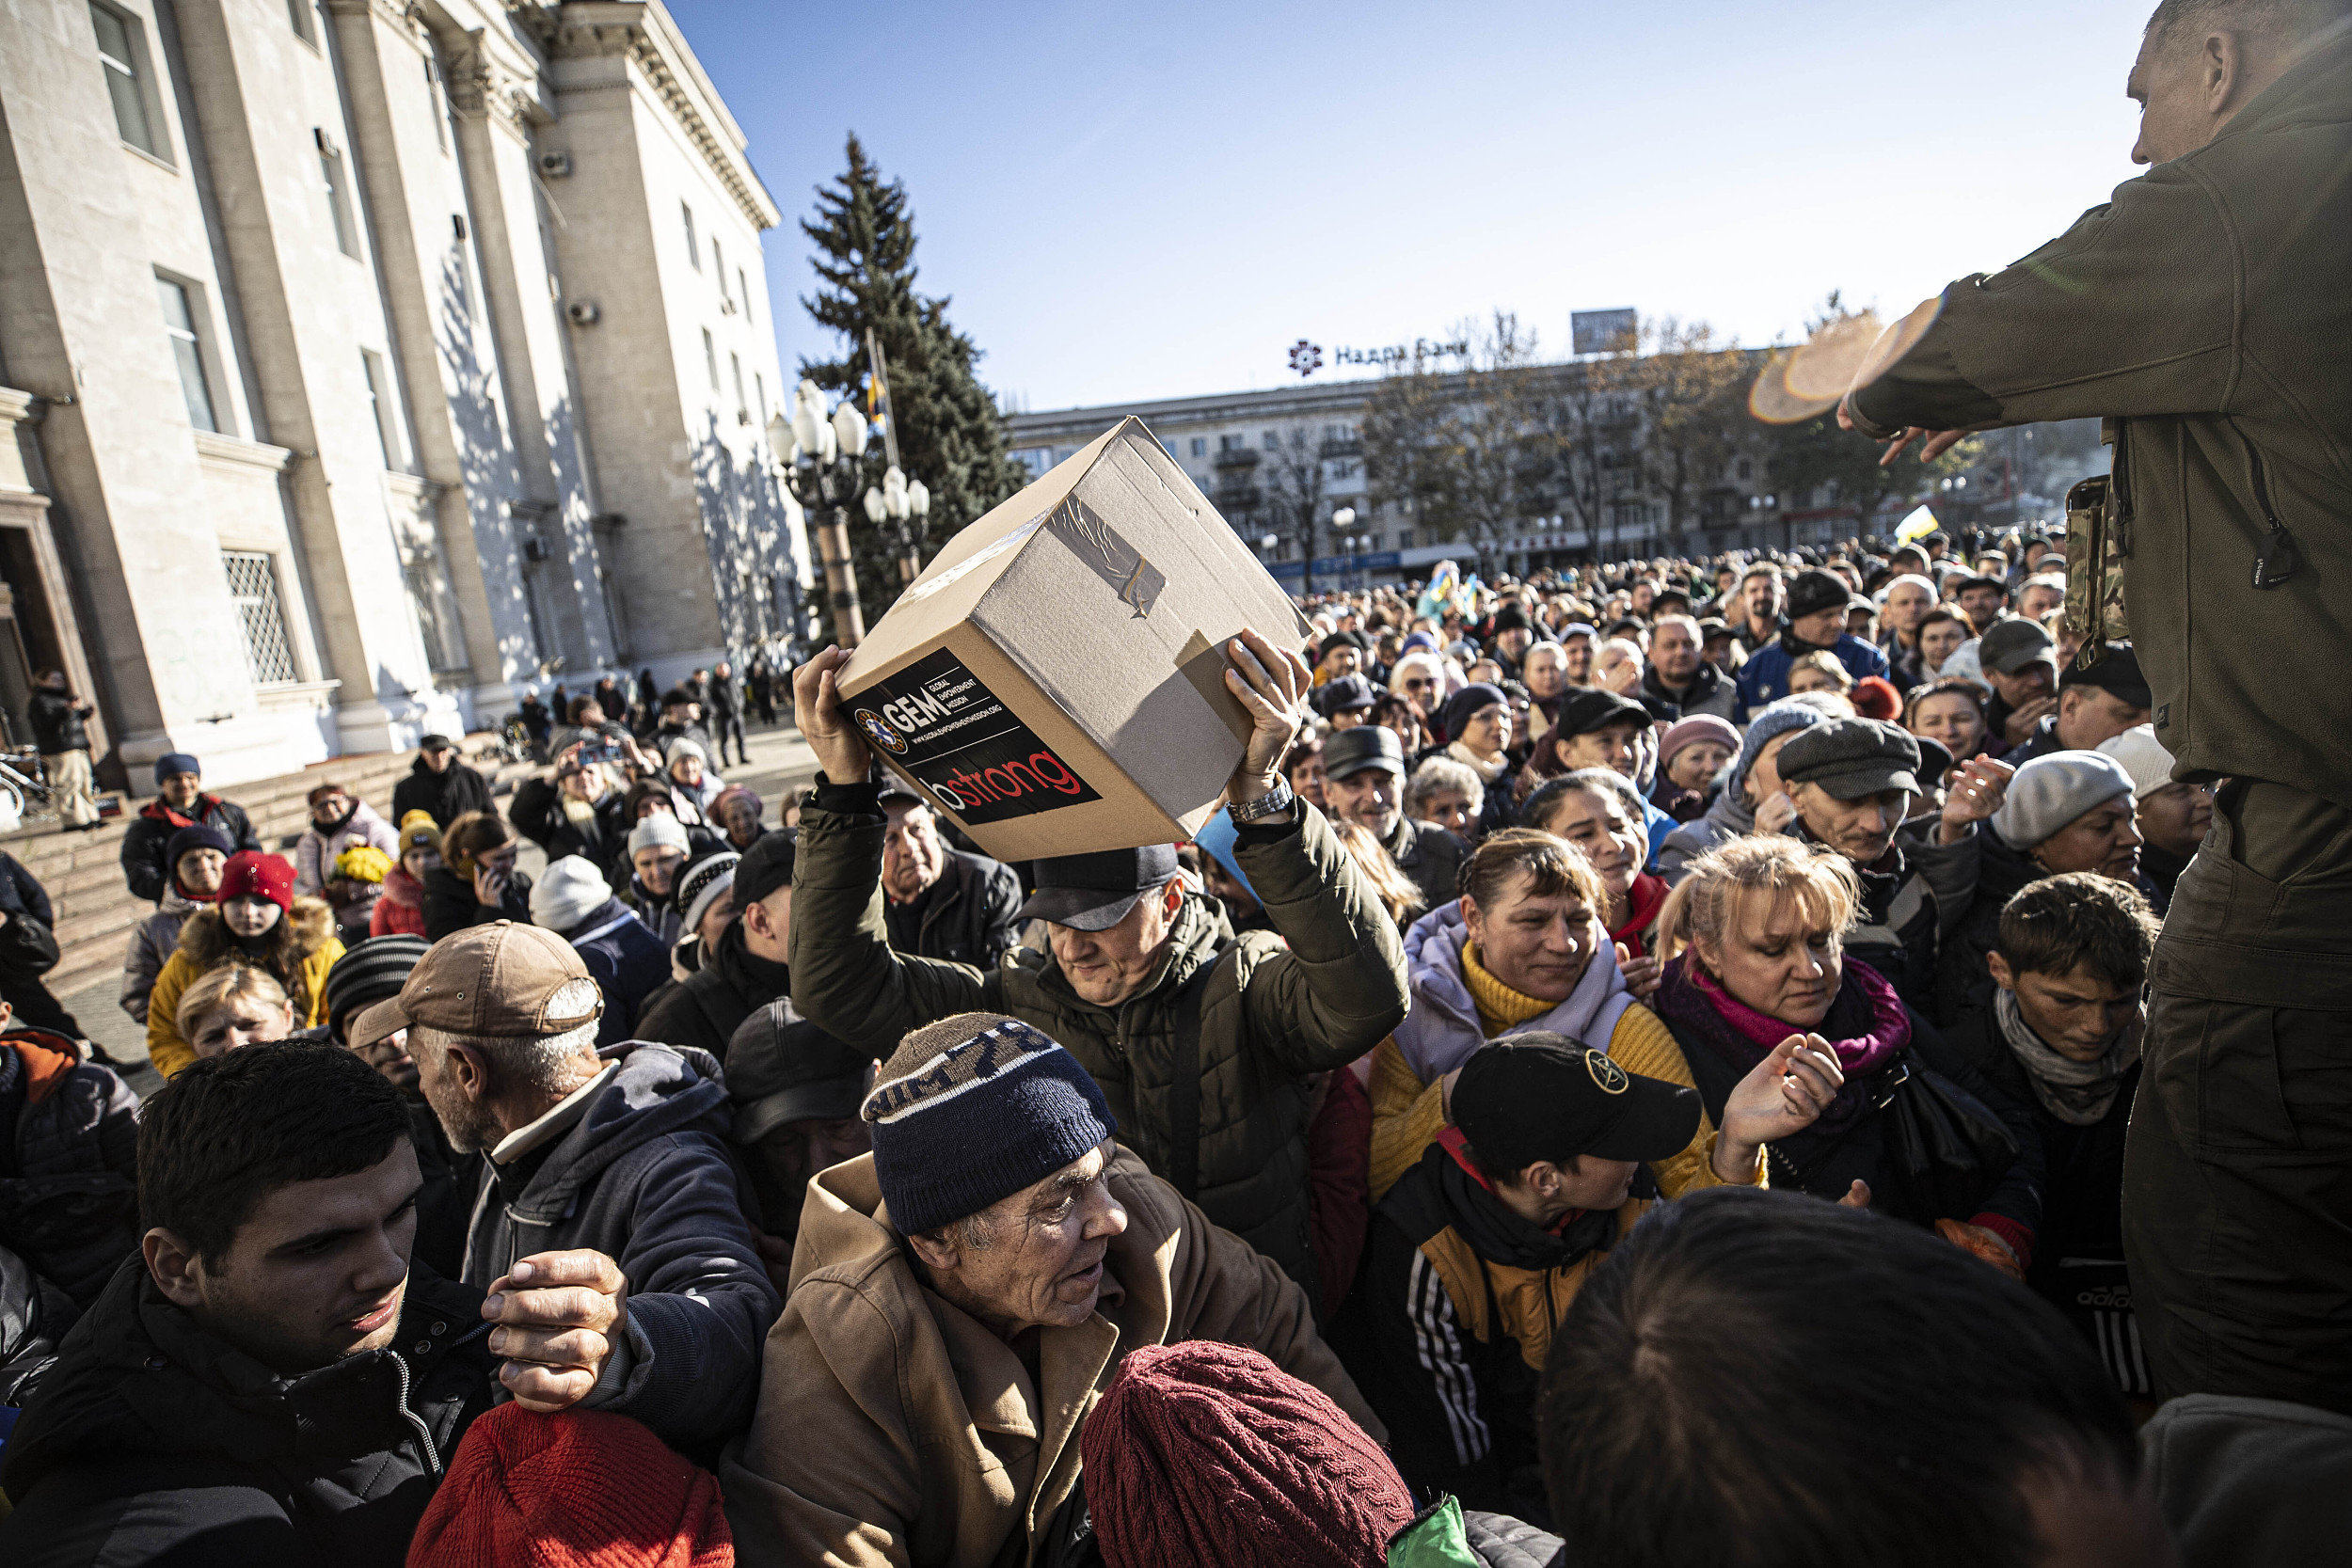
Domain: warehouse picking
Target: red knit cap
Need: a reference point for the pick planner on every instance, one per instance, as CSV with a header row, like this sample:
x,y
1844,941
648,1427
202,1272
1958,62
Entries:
x,y
578,1490
1875,697
252,874
1203,1453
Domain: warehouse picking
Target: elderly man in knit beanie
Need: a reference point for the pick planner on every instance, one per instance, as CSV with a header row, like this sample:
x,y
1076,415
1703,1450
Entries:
x,y
961,1297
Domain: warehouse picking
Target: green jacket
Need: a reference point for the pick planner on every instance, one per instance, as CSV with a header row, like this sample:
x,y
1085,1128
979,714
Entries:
x,y
1324,990
2204,312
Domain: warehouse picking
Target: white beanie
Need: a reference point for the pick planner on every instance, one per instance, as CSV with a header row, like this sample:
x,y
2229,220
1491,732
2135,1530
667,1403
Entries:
x,y
2143,757
680,746
2053,789
661,831
568,892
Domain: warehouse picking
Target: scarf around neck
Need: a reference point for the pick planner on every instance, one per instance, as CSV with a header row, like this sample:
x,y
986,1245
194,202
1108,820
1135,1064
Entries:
x,y
1488,771
2077,1093
1445,1026
1866,1026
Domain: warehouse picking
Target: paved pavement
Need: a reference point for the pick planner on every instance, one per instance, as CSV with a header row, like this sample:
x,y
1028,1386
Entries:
x,y
779,763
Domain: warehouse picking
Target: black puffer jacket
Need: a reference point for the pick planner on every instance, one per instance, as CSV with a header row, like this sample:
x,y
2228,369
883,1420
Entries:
x,y
68,1202
970,915
148,836
149,1440
56,722
451,906
537,812
444,797
1430,857
704,1009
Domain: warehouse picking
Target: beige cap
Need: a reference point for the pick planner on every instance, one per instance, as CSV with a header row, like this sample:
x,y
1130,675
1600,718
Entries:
x,y
492,981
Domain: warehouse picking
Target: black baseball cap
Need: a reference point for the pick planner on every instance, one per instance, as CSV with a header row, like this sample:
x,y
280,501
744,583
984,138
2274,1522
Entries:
x,y
1343,694
1586,710
1853,757
436,743
1093,892
2008,647
1980,580
782,1068
2115,669
1350,751
1543,1095
766,866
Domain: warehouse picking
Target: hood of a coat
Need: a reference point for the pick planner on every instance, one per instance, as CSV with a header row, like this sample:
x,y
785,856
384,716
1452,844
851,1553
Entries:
x,y
137,1378
400,887
1442,1029
659,1090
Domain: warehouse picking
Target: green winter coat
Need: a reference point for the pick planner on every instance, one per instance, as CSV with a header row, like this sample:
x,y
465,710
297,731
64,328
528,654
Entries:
x,y
1270,1017
2204,312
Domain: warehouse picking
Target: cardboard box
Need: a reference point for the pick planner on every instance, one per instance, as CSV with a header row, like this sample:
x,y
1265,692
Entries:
x,y
1055,681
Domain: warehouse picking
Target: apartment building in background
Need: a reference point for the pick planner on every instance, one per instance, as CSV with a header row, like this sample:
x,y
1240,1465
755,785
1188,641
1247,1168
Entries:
x,y
367,362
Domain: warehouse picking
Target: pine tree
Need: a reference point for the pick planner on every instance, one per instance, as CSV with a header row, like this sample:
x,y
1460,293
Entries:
x,y
951,435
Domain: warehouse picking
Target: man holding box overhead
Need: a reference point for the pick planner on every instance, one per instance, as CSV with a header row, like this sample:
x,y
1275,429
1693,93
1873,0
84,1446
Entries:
x,y
1205,1046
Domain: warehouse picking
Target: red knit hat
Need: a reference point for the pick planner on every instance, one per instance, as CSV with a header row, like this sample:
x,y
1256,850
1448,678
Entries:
x,y
1204,1452
1875,697
252,874
579,1490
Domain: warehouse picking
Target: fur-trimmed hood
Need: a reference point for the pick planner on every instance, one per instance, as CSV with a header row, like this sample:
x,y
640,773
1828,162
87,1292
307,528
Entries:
x,y
207,940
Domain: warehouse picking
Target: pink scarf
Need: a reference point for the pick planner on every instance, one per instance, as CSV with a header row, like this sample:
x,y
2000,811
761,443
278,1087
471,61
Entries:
x,y
1863,1054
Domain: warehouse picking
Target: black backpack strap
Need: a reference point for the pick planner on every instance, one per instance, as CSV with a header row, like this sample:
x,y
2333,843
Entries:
x,y
1183,1110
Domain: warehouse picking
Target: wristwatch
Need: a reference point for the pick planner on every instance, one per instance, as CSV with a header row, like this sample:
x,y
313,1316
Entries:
x,y
1274,802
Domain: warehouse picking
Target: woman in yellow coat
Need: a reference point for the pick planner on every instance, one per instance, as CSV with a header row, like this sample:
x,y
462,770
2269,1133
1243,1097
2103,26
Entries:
x,y
256,922
1523,949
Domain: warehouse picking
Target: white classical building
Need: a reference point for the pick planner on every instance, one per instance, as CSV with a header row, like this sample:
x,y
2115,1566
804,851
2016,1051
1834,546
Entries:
x,y
365,362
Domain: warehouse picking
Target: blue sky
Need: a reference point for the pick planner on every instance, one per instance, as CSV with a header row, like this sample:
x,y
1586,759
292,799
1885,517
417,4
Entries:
x,y
1133,202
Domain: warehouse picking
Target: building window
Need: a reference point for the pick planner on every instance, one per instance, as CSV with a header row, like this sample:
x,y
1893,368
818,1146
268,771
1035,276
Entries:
x,y
435,607
759,385
719,267
304,27
187,349
744,289
432,101
337,187
122,53
1231,443
693,251
1272,441
742,409
1200,446
710,358
1747,467
1405,539
380,405
253,589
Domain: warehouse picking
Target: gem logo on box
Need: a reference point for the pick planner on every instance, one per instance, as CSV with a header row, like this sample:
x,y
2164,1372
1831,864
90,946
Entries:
x,y
880,733
960,741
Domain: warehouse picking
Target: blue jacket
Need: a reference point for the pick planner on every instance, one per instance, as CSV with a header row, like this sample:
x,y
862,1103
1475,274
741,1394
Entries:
x,y
628,962
645,1176
1764,678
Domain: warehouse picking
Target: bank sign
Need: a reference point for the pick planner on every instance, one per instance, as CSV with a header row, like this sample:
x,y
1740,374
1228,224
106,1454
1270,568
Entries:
x,y
1307,358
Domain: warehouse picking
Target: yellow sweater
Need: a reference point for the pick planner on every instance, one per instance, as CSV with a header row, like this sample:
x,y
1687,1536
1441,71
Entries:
x,y
1407,1115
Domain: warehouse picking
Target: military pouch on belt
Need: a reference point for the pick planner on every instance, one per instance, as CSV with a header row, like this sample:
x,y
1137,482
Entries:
x,y
2098,539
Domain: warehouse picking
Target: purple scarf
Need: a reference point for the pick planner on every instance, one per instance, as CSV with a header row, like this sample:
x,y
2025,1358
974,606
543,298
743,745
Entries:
x,y
1866,1026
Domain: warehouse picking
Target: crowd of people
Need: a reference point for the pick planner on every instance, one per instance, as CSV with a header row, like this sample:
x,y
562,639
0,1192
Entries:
x,y
861,1177
1772,1059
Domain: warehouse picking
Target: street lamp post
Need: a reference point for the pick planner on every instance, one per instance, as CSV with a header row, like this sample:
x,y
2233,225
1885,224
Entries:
x,y
822,457
1341,520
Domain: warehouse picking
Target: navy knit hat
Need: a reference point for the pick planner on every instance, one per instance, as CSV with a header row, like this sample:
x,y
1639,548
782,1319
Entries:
x,y
1000,1109
200,836
172,764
